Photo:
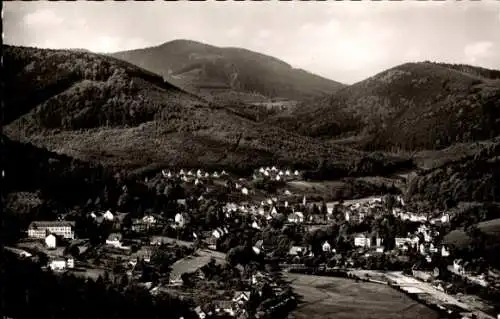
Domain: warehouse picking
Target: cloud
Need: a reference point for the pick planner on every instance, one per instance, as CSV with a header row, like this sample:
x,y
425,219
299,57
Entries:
x,y
478,50
42,18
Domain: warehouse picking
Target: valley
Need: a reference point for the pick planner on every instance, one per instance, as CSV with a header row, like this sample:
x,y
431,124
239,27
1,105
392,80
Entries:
x,y
188,176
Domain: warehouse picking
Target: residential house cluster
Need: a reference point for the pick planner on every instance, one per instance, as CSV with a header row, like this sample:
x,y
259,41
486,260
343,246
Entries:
x,y
274,173
199,174
369,242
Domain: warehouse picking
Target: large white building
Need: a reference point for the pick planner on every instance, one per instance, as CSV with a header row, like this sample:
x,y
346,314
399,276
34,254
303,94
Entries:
x,y
40,229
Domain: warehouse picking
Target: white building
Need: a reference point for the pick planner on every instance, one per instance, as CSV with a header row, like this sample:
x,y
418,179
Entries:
x,y
50,241
179,220
296,217
326,247
445,252
108,215
244,191
114,240
70,263
362,241
40,229
57,264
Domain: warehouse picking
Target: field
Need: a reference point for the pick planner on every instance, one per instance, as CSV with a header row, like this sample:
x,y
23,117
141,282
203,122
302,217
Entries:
x,y
459,238
193,262
328,297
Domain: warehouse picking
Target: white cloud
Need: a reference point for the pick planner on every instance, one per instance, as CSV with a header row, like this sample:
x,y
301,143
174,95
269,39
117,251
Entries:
x,y
478,50
42,18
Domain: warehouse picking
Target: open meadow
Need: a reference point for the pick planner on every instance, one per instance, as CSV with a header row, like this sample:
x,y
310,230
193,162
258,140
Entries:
x,y
330,297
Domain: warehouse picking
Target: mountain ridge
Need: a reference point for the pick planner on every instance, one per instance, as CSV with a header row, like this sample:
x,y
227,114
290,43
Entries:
x,y
412,106
114,113
206,67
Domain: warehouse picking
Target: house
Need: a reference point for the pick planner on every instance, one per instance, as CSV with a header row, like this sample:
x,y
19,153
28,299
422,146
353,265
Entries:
x,y
57,264
150,219
422,275
241,296
244,191
287,173
402,242
255,225
217,233
362,241
458,266
273,211
326,247
181,202
296,217
278,178
215,175
39,229
225,306
444,252
296,173
181,172
274,169
288,193
378,245
50,241
190,173
145,253
180,221
297,250
115,240
201,314
108,215
445,218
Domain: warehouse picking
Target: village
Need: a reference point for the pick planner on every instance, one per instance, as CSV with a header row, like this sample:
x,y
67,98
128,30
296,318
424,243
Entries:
x,y
226,240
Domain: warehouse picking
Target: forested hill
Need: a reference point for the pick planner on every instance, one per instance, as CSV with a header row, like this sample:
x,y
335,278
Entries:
x,y
412,106
202,67
97,108
475,177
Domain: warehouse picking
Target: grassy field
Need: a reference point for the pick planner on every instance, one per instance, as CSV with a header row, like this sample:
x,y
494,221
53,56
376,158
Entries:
x,y
459,238
328,297
193,262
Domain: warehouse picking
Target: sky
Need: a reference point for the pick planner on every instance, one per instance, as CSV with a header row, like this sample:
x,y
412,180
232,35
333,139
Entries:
x,y
341,40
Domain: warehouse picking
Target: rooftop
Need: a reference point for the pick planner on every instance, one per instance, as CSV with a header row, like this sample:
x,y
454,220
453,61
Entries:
x,y
56,223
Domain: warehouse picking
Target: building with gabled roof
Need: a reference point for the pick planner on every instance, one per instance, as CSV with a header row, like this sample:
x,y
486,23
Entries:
x,y
40,229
